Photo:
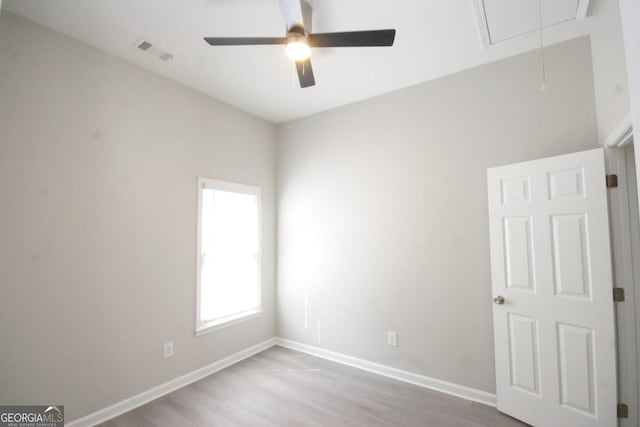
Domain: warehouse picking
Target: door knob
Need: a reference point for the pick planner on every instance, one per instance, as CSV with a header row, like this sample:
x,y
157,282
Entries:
x,y
498,300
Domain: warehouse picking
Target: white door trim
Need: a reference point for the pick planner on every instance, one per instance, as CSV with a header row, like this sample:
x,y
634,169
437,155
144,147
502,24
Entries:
x,y
625,277
622,135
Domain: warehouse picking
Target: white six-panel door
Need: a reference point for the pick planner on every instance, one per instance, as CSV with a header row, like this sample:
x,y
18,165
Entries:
x,y
551,278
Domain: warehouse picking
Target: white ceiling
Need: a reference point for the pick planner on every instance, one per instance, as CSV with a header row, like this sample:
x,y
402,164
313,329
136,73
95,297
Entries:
x,y
434,38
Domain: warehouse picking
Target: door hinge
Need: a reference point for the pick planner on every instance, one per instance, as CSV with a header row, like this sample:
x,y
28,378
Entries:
x,y
623,410
612,181
618,294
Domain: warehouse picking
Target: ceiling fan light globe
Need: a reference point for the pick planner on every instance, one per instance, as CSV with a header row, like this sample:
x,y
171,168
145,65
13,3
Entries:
x,y
298,50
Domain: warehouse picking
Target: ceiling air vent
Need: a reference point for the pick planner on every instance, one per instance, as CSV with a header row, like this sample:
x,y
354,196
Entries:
x,y
144,45
148,47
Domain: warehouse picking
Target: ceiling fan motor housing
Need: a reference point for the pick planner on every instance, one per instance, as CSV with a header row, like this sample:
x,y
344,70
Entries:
x,y
297,45
296,34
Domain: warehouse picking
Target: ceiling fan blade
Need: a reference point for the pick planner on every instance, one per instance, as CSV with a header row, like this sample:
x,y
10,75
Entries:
x,y
244,41
353,39
305,73
292,12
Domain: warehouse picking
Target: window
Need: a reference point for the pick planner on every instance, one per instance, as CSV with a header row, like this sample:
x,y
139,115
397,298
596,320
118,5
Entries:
x,y
229,265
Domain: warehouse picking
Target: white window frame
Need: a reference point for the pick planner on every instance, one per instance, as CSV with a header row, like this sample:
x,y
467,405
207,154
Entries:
x,y
204,327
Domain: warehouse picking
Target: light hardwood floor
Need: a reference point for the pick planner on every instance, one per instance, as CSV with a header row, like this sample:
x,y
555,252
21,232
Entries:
x,y
281,387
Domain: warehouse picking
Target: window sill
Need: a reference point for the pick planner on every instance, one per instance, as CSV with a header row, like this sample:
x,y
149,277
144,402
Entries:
x,y
208,327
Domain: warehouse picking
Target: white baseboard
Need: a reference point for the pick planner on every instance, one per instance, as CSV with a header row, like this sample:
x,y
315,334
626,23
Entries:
x,y
133,402
398,374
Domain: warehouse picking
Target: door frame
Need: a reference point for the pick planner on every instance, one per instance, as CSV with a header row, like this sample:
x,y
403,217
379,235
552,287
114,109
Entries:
x,y
624,276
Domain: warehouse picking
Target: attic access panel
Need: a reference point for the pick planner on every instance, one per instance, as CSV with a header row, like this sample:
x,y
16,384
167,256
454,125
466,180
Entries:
x,y
502,20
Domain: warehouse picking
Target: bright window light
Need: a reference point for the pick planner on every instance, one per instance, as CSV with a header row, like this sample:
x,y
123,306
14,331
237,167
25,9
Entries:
x,y
229,258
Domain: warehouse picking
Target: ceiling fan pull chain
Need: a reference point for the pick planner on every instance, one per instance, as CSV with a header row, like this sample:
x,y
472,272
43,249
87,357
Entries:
x,y
543,86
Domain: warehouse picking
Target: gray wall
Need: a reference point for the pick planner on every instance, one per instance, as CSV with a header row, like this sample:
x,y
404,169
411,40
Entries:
x,y
382,214
98,167
382,209
609,69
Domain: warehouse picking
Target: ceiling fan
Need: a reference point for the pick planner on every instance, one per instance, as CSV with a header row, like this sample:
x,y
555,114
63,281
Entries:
x,y
299,39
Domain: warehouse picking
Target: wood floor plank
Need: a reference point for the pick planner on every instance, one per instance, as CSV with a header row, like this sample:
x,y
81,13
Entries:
x,y
281,387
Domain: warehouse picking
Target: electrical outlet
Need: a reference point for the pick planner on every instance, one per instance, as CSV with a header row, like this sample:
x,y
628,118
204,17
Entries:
x,y
168,349
392,338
